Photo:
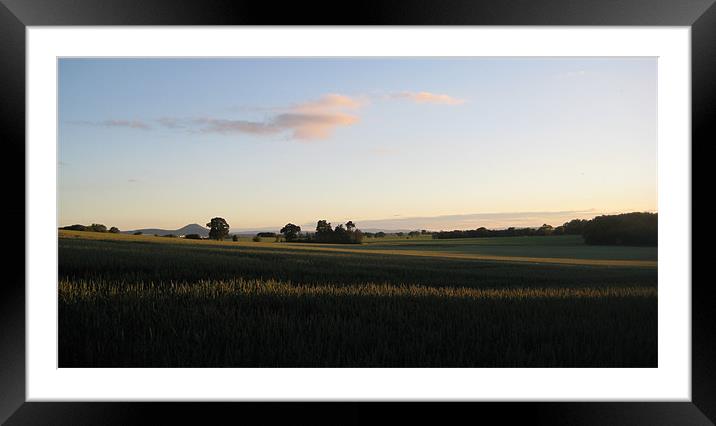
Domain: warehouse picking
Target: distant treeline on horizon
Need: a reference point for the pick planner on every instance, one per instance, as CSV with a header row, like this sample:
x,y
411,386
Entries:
x,y
635,228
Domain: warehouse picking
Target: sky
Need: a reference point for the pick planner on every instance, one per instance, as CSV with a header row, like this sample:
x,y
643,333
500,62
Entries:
x,y
398,143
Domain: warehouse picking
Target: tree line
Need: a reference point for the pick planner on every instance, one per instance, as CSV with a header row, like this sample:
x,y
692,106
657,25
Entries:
x,y
95,227
325,233
631,229
573,227
635,228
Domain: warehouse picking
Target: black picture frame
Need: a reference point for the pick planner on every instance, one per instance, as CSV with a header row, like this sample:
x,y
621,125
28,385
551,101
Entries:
x,y
16,15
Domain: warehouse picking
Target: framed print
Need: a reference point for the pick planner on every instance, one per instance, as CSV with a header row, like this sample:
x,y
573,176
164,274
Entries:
x,y
484,204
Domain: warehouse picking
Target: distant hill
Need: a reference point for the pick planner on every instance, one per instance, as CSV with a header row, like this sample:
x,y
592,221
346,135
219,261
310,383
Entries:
x,y
188,229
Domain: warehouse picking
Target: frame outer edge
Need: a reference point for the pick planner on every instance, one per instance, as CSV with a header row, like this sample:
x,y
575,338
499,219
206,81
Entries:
x,y
12,114
703,113
12,134
368,12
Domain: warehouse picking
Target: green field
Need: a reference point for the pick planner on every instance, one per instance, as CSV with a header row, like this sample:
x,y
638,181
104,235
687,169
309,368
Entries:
x,y
143,301
566,246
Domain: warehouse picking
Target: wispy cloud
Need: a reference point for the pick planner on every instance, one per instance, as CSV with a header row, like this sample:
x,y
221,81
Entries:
x,y
428,98
306,121
133,124
315,119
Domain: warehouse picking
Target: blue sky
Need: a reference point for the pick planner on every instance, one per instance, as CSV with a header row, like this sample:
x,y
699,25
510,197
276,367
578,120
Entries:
x,y
263,142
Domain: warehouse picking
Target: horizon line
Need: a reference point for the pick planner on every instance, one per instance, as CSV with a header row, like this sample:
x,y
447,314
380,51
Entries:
x,y
415,218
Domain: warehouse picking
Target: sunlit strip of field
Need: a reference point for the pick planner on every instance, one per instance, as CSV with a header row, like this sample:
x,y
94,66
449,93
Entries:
x,y
71,289
475,256
365,250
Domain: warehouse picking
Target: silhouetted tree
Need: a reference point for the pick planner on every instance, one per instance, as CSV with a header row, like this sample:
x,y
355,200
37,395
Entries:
x,y
192,236
114,230
323,227
218,228
290,231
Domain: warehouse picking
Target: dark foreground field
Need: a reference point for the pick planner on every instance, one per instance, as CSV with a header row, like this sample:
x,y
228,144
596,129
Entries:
x,y
147,302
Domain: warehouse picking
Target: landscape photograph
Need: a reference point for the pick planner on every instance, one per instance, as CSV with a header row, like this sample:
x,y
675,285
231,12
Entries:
x,y
367,212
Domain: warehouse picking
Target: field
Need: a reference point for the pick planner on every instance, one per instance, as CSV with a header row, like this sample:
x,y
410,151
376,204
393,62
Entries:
x,y
144,301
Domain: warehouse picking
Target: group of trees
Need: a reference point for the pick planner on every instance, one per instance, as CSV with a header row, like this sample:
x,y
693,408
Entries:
x,y
484,232
632,229
325,233
95,227
623,229
573,227
348,234
340,234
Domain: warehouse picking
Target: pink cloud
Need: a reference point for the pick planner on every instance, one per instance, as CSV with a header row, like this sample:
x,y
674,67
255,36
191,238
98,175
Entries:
x,y
314,126
427,97
316,119
311,120
331,101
